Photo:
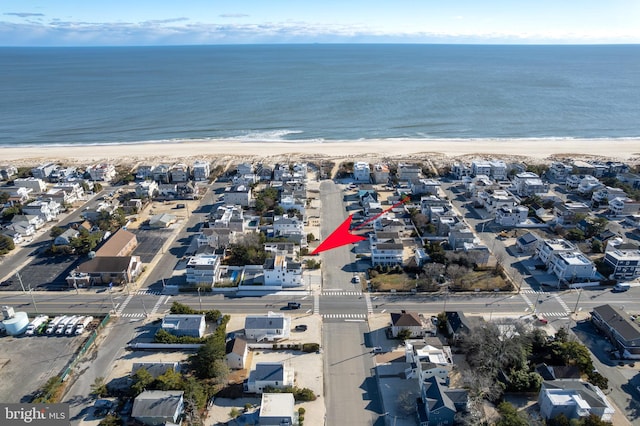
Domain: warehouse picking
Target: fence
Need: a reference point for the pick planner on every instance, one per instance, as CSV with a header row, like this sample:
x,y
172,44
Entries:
x,y
67,370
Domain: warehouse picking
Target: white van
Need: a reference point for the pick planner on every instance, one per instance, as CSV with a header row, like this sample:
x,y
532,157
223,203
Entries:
x,y
621,287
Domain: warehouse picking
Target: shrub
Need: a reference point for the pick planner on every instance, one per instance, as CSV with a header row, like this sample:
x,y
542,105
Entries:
x,y
310,347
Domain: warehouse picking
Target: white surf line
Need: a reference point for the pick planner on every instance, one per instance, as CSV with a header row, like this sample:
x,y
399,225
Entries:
x,y
157,305
124,304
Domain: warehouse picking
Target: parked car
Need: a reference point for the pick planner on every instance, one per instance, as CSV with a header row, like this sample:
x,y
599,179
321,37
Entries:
x,y
301,327
377,350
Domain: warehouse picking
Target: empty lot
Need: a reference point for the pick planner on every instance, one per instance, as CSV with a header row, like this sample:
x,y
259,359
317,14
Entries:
x,y
26,363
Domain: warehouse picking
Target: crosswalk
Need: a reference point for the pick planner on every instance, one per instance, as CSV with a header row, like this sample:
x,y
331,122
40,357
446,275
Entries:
x,y
531,291
341,293
554,314
147,292
133,315
344,316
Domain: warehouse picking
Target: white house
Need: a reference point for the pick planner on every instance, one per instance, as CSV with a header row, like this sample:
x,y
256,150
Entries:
x,y
269,374
238,194
282,271
623,206
180,172
215,237
228,217
270,327
588,184
606,194
66,237
528,184
386,248
408,321
38,186
47,209
575,399
43,171
425,187
361,171
625,262
409,172
572,265
145,172
277,409
284,225
546,249
102,172
560,171
511,216
73,189
236,353
293,202
184,324
203,270
481,168
201,170
147,188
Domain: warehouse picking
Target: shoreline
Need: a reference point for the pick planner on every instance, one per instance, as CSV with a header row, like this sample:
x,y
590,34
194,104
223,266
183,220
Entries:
x,y
627,149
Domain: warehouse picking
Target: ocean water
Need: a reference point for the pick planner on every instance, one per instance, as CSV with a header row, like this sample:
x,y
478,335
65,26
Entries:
x,y
317,93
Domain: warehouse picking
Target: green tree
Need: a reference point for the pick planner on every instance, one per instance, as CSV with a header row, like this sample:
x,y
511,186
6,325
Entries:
x,y
56,231
142,380
169,380
404,334
575,234
204,361
510,416
99,387
111,420
6,244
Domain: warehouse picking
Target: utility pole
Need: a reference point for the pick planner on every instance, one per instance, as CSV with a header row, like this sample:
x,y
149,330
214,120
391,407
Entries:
x,y
21,284
575,309
199,299
33,300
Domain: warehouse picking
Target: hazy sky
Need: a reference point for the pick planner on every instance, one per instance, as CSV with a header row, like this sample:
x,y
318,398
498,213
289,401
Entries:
x,y
161,22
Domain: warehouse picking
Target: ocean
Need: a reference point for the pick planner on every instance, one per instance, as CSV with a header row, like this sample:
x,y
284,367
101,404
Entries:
x,y
317,93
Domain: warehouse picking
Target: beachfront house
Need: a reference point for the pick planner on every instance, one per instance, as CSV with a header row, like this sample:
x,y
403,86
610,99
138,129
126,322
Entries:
x,y
38,186
104,172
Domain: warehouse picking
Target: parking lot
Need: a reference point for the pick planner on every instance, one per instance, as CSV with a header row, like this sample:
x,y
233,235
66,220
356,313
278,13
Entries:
x,y
150,242
26,363
46,273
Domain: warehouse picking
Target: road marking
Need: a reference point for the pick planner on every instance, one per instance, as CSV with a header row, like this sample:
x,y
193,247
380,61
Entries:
x,y
354,320
383,311
367,298
342,316
561,302
308,311
528,302
316,303
157,305
168,297
124,304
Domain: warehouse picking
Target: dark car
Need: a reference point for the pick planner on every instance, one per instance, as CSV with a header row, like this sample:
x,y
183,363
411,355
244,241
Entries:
x,y
301,327
6,283
293,305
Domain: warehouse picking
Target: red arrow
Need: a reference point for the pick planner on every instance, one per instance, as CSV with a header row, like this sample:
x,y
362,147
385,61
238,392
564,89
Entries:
x,y
340,237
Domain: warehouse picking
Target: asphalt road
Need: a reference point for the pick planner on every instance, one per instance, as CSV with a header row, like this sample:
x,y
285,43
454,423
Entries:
x,y
351,395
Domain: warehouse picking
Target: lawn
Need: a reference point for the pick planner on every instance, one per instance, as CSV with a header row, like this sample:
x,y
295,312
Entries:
x,y
388,282
481,280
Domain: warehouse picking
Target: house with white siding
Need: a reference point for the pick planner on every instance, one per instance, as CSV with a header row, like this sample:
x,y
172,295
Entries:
x,y
271,327
47,209
201,170
238,194
104,172
361,171
38,186
282,271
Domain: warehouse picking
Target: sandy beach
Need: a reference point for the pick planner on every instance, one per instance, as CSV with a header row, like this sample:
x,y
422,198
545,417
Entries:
x,y
525,149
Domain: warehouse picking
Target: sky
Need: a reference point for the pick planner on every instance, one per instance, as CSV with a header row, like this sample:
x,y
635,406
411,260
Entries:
x,y
179,22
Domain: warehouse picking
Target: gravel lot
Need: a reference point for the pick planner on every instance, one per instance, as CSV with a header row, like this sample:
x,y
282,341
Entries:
x,y
26,363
